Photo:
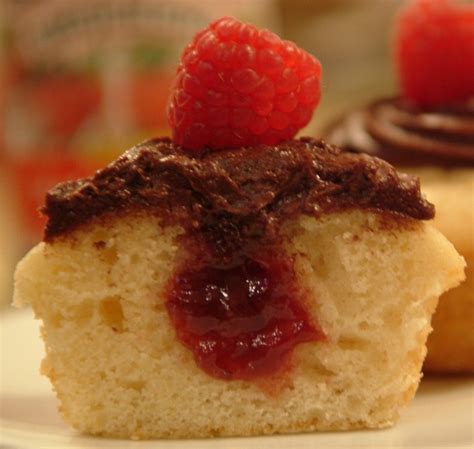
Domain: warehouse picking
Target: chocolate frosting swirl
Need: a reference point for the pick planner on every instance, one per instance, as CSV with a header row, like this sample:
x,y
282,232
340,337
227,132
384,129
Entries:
x,y
406,135
250,189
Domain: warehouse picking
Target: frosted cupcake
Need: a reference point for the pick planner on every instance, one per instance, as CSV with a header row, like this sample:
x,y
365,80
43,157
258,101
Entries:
x,y
429,130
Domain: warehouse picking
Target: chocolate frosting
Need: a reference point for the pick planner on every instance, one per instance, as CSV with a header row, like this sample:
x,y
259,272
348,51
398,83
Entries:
x,y
250,190
405,135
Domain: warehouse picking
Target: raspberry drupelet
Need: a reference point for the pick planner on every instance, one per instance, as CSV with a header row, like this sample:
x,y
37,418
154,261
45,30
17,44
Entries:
x,y
237,85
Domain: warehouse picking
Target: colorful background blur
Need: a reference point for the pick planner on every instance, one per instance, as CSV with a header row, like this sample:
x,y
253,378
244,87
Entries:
x,y
82,80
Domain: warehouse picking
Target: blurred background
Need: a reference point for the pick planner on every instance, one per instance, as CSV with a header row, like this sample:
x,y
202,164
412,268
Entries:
x,y
82,80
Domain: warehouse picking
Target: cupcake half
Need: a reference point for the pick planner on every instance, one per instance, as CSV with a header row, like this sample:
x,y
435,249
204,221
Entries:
x,y
271,289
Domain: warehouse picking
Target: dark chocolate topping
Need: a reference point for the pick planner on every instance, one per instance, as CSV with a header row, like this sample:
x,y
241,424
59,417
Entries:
x,y
250,189
406,135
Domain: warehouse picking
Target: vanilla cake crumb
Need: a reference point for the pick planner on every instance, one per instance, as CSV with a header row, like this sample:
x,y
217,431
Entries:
x,y
118,369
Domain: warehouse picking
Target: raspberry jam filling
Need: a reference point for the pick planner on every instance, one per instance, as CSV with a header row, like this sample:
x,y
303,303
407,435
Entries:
x,y
240,321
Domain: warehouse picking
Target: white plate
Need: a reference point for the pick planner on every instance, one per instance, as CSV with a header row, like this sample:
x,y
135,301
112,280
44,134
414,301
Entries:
x,y
441,416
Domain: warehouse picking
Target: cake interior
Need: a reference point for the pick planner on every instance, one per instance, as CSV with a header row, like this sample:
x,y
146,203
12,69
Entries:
x,y
118,369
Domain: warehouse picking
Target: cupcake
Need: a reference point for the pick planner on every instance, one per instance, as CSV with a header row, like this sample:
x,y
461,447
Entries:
x,y
428,130
235,280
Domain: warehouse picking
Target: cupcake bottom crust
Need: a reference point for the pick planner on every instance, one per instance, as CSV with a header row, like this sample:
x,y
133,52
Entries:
x,y
118,369
451,344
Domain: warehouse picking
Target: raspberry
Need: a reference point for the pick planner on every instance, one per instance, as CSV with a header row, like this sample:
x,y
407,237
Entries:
x,y
237,85
434,51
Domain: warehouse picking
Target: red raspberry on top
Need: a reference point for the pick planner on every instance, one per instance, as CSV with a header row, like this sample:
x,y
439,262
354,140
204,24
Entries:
x,y
434,51
237,85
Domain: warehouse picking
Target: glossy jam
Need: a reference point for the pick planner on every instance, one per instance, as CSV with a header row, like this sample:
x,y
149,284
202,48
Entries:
x,y
241,321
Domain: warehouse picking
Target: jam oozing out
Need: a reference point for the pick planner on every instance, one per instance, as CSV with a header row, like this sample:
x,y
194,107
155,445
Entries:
x,y
242,321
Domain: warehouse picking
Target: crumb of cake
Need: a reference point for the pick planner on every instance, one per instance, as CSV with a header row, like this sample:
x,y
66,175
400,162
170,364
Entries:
x,y
372,298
